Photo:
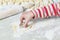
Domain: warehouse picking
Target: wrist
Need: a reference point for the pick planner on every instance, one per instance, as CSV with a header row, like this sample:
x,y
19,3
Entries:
x,y
33,14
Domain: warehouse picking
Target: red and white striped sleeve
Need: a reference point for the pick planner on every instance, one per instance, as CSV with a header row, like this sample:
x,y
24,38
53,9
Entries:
x,y
47,11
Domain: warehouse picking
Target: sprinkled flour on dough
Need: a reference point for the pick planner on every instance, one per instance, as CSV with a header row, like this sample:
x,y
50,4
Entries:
x,y
18,30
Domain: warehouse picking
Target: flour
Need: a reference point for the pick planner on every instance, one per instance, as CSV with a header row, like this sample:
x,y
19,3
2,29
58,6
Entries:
x,y
20,30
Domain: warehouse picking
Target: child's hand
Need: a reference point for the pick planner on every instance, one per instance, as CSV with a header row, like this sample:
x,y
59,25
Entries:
x,y
27,16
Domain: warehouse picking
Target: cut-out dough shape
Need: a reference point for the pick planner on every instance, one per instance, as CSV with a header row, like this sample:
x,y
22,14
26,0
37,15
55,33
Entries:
x,y
10,10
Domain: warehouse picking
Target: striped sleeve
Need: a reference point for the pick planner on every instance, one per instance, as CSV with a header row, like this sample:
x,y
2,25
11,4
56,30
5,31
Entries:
x,y
47,11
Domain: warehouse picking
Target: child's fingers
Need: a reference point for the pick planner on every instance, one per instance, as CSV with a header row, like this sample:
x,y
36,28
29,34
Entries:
x,y
26,22
21,19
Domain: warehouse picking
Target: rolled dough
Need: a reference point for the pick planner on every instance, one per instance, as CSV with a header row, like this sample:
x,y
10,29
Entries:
x,y
20,30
